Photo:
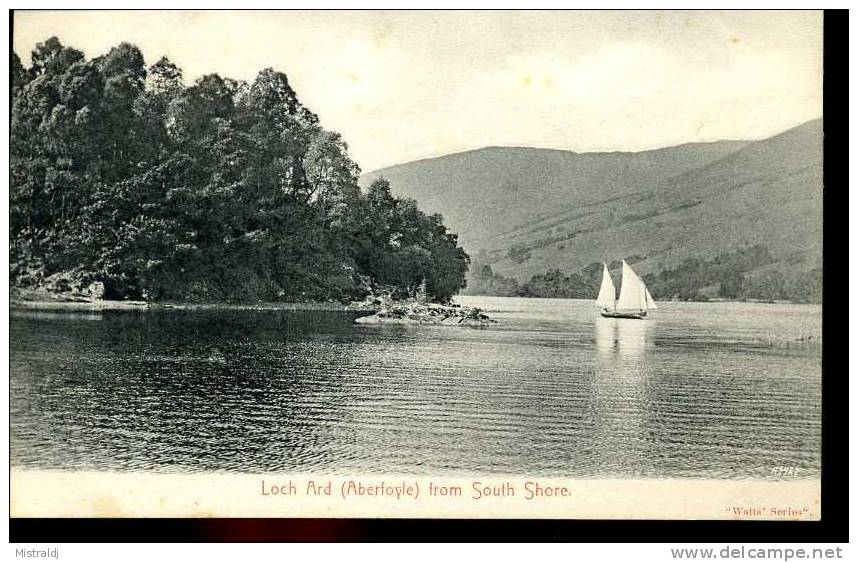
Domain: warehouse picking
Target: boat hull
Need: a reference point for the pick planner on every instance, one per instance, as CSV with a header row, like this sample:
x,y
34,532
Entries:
x,y
633,314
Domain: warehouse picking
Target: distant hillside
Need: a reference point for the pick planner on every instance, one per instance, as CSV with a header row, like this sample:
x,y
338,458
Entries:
x,y
526,211
481,193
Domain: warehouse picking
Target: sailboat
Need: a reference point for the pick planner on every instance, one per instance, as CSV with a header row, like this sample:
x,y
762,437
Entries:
x,y
634,299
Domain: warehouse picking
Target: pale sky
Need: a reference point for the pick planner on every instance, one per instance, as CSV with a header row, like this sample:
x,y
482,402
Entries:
x,y
406,85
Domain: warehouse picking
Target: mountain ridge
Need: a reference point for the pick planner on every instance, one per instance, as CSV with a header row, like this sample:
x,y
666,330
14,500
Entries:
x,y
548,149
535,180
525,211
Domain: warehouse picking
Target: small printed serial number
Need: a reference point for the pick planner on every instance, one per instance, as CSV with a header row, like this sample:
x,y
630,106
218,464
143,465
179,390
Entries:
x,y
784,471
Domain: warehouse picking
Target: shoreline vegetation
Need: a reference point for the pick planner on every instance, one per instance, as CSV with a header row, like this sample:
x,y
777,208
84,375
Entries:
x,y
747,274
129,185
43,300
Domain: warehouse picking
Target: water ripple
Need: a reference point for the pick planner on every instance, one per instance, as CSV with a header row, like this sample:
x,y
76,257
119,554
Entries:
x,y
696,390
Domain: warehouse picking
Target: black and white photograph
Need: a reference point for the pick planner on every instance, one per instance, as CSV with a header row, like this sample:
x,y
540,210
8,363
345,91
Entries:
x,y
441,264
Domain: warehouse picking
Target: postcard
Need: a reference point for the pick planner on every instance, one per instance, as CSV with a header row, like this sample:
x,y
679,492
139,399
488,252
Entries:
x,y
400,264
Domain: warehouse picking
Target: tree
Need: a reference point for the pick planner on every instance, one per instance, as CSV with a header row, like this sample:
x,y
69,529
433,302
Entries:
x,y
218,190
332,175
52,58
731,285
484,281
19,75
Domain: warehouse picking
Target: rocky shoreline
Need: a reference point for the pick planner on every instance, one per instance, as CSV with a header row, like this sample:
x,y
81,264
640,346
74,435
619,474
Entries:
x,y
421,313
28,299
371,311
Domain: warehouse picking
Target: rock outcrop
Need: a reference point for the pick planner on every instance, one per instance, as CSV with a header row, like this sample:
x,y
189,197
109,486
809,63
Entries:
x,y
421,313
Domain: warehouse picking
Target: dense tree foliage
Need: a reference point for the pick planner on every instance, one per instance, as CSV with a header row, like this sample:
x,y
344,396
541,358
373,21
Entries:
x,y
126,179
554,284
744,274
551,284
749,273
688,280
484,281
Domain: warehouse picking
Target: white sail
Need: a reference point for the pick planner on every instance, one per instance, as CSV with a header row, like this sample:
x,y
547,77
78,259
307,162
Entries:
x,y
633,293
607,293
650,302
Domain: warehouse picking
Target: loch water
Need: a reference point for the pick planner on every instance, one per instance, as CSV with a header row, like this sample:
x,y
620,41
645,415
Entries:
x,y
703,390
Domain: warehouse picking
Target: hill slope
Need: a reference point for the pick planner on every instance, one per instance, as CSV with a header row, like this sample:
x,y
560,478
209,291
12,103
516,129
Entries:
x,y
526,211
481,193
